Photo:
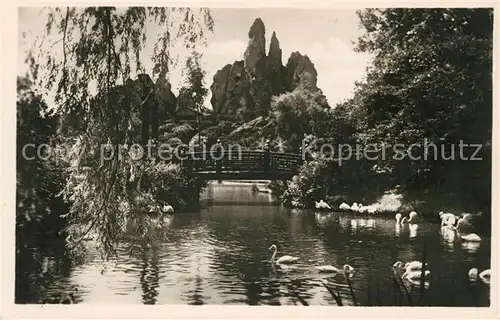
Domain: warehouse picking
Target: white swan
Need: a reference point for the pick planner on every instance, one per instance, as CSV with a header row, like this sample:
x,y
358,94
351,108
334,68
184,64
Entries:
x,y
409,267
413,266
461,223
485,275
448,219
403,220
331,269
472,237
412,275
467,216
398,265
398,217
355,207
168,209
322,205
282,260
344,206
412,216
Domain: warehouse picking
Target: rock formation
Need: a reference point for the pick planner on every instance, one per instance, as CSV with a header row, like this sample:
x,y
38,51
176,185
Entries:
x,y
244,88
152,103
300,72
256,48
274,50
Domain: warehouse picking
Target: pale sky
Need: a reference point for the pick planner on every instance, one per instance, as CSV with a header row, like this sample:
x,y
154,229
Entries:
x,y
325,35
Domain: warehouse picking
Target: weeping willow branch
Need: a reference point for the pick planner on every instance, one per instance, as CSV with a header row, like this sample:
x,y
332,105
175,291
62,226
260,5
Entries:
x,y
99,43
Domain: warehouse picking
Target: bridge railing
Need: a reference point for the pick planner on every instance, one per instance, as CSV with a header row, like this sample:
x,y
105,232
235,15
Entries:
x,y
243,161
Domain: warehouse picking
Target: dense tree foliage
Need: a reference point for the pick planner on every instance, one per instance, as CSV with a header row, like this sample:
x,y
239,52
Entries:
x,y
99,109
432,79
300,113
430,83
40,179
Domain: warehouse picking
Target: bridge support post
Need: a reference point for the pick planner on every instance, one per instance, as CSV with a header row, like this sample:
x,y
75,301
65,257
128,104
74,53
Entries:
x,y
218,161
186,159
267,159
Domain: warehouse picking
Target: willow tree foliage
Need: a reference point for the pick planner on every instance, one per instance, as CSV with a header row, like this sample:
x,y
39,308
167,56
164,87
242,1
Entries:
x,y
89,56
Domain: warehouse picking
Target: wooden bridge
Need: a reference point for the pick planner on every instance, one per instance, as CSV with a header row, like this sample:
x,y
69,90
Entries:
x,y
243,165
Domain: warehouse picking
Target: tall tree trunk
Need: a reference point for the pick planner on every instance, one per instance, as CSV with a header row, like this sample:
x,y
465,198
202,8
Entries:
x,y
154,119
145,121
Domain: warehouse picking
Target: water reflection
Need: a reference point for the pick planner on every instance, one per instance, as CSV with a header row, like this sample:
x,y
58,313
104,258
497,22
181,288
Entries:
x,y
448,238
149,274
413,227
221,256
471,247
354,225
397,229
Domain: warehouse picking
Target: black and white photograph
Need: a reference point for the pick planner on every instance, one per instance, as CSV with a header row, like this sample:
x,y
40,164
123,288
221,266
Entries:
x,y
254,156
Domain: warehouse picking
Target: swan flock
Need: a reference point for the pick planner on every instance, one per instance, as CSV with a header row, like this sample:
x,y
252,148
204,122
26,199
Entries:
x,y
411,271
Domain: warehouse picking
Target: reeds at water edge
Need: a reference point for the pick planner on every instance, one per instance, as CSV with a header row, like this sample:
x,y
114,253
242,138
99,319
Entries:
x,y
336,296
304,302
350,289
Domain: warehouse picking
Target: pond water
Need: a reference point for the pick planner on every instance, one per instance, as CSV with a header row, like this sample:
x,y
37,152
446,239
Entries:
x,y
221,256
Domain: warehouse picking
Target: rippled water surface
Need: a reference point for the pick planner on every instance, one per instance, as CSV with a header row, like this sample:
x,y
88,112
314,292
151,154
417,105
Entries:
x,y
220,256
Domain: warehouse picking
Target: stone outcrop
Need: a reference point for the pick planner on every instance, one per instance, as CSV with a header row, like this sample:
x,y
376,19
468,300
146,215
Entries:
x,y
245,88
256,48
167,101
152,102
275,50
300,72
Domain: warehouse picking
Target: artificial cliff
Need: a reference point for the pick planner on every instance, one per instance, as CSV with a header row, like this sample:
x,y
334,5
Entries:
x,y
244,88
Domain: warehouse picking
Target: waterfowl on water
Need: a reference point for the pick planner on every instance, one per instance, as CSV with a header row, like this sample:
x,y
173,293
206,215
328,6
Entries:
x,y
344,206
485,275
355,207
398,265
472,237
362,208
411,266
448,219
461,223
412,275
168,209
467,216
412,216
322,205
331,269
284,259
398,217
